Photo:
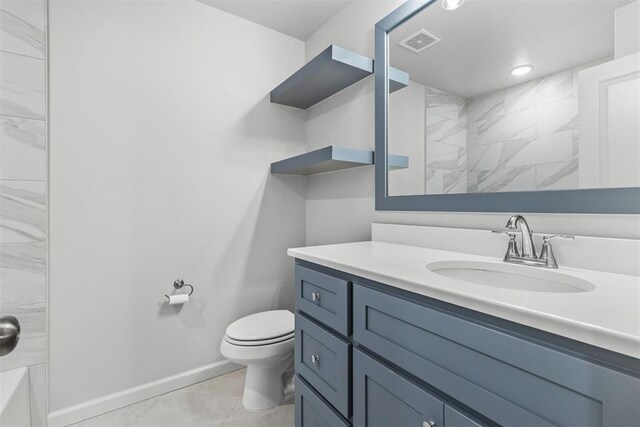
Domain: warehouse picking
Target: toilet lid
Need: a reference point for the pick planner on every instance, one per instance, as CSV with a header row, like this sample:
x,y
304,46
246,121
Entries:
x,y
262,326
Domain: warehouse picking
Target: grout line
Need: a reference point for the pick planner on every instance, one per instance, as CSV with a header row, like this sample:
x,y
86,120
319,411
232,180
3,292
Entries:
x,y
230,412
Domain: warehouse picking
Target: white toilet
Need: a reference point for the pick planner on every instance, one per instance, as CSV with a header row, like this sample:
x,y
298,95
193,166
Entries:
x,y
264,343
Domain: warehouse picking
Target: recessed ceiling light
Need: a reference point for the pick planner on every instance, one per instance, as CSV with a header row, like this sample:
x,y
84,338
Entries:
x,y
521,70
451,4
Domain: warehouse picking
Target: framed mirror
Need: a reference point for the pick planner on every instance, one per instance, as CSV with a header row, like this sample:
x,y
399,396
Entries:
x,y
512,106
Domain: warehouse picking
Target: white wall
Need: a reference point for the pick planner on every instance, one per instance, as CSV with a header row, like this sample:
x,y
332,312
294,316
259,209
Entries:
x,y
161,143
340,205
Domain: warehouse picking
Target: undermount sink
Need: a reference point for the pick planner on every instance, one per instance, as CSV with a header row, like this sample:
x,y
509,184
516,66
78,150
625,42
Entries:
x,y
511,276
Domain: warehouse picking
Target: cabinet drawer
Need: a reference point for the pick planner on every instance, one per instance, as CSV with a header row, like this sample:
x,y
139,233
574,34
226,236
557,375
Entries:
x,y
312,410
382,397
323,360
325,298
510,380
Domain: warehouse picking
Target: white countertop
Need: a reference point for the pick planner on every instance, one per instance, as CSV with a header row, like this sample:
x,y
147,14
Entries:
x,y
607,317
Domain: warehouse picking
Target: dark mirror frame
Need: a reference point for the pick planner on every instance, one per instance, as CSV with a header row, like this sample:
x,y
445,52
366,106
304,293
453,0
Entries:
x,y
601,200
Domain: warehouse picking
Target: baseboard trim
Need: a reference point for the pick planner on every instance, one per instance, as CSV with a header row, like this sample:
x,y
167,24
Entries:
x,y
101,405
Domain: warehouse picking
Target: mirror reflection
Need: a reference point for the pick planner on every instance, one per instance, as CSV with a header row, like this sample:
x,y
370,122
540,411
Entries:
x,y
528,95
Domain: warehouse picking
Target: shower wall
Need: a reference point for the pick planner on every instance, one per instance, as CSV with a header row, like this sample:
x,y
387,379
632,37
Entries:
x,y
525,137
23,184
522,138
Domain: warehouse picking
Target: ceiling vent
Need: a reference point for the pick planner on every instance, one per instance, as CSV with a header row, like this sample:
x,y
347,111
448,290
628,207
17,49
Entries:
x,y
420,41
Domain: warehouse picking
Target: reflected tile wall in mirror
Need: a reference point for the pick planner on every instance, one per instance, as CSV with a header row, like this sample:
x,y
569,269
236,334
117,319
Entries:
x,y
486,130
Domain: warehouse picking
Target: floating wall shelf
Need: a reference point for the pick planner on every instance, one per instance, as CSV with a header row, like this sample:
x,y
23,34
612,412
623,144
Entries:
x,y
327,74
332,158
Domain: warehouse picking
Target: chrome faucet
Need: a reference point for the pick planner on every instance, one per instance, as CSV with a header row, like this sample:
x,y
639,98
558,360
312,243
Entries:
x,y
528,256
528,247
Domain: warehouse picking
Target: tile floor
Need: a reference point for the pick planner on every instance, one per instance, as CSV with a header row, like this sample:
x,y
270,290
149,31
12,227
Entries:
x,y
216,402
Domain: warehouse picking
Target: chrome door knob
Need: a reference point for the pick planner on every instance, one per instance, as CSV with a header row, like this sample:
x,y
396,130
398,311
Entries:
x,y
428,424
9,334
315,359
315,296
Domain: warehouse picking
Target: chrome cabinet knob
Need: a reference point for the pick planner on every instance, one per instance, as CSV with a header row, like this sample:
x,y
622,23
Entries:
x,y
9,334
315,359
428,424
315,296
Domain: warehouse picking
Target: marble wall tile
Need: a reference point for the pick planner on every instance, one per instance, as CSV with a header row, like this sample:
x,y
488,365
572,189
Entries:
x,y
557,116
20,288
29,352
445,104
520,124
557,176
551,148
472,182
22,149
508,179
507,134
448,131
484,157
434,181
24,256
22,86
455,133
22,27
23,294
23,186
485,107
435,126
455,181
444,156
552,88
22,211
31,317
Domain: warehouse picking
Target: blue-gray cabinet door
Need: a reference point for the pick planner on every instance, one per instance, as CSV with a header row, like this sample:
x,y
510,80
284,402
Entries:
x,y
384,398
312,410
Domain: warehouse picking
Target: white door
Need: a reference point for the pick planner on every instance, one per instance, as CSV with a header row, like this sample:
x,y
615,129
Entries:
x,y
609,127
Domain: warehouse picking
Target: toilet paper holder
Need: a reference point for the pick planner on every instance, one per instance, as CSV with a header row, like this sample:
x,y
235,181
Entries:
x,y
179,284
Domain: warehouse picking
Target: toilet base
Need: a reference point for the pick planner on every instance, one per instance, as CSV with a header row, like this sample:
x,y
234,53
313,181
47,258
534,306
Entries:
x,y
264,385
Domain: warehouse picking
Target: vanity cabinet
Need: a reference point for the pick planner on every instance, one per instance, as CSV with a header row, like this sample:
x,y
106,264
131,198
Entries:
x,y
415,361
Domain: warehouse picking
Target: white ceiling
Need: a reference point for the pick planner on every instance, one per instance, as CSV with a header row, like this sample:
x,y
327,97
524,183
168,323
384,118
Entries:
x,y
484,39
297,18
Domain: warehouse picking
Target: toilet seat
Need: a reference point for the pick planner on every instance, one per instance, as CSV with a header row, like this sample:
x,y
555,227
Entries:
x,y
262,328
259,342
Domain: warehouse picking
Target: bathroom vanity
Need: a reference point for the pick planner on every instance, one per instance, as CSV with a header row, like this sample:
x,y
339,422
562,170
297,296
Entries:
x,y
382,339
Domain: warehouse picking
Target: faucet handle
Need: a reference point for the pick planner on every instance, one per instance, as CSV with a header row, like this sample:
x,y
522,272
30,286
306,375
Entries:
x,y
512,248
547,251
553,236
507,232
